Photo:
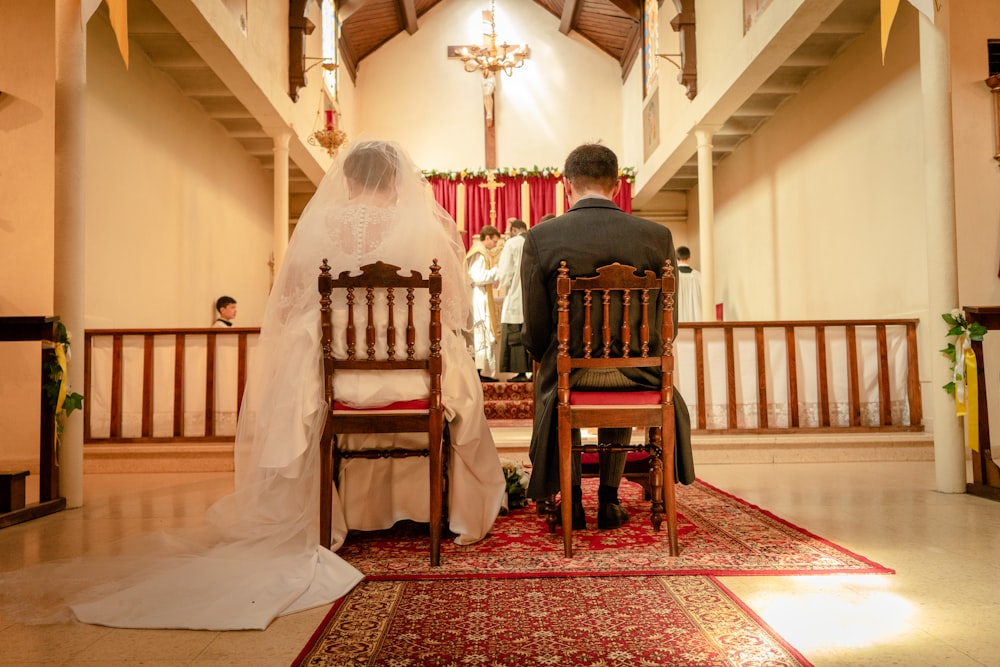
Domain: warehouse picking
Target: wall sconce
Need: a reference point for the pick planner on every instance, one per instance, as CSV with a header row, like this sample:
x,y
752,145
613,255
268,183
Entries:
x,y
669,57
993,83
327,64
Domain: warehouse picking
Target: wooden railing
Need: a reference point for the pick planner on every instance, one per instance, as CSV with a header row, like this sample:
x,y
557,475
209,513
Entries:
x,y
769,364
159,385
150,393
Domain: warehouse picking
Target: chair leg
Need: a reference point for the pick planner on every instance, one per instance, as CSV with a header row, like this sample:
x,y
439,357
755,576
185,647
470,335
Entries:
x,y
669,478
671,504
654,448
326,446
436,483
566,488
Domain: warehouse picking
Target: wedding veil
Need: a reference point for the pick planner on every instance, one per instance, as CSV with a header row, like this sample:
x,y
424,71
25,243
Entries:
x,y
258,556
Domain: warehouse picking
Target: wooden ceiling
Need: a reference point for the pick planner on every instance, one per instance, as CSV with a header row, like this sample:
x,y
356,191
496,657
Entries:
x,y
613,26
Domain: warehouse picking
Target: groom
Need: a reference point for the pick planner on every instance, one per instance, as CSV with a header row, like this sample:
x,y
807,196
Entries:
x,y
592,234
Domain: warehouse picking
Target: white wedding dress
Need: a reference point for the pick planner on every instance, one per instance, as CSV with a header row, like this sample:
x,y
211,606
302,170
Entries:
x,y
259,556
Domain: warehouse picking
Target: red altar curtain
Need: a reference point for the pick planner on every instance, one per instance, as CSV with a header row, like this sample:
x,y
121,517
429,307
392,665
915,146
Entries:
x,y
446,194
541,198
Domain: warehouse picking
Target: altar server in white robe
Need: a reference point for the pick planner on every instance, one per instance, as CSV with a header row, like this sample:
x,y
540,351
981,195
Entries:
x,y
688,288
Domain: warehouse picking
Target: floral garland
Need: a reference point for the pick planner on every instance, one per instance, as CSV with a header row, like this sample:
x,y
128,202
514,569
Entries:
x,y
517,484
61,399
517,172
963,334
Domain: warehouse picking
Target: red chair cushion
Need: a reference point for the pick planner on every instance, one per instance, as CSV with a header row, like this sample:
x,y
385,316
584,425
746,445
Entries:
x,y
614,397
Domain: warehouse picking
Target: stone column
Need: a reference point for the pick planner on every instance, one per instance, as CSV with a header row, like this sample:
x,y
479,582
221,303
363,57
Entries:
x,y
942,268
69,224
706,219
281,139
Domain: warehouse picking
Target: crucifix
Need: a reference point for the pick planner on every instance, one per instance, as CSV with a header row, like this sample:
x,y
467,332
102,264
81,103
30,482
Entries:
x,y
490,59
492,184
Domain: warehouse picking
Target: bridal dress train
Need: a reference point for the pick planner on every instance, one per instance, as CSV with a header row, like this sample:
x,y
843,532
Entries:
x,y
258,555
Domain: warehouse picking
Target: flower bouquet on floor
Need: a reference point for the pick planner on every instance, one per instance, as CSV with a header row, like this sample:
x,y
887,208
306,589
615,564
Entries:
x,y
517,485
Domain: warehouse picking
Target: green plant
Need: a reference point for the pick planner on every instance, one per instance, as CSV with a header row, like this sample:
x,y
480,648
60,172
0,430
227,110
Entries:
x,y
62,401
962,332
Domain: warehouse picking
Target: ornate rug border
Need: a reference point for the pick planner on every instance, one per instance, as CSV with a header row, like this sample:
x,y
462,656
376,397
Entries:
x,y
325,624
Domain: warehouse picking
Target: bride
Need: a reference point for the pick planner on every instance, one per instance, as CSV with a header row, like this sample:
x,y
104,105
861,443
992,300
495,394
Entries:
x,y
259,557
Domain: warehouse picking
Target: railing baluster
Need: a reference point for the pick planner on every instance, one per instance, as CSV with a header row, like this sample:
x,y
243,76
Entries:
x,y
793,377
913,377
821,375
179,347
884,399
116,386
88,370
853,391
210,384
730,379
241,372
699,354
147,385
762,420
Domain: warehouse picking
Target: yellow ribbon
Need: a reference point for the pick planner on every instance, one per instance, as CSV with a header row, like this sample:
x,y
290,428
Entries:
x,y
967,389
61,360
972,400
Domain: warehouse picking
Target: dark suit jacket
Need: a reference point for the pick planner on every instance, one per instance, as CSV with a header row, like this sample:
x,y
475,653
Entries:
x,y
592,234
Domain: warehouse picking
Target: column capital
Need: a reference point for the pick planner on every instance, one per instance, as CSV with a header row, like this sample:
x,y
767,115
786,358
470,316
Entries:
x,y
704,132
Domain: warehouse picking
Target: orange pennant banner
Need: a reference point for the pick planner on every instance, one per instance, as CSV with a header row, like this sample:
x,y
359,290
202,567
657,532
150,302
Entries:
x,y
118,11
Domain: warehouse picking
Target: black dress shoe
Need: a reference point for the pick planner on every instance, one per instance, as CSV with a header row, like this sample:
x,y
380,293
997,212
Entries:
x,y
610,516
483,378
520,377
579,516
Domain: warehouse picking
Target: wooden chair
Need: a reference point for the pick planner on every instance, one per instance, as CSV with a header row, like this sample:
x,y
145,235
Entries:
x,y
605,342
380,286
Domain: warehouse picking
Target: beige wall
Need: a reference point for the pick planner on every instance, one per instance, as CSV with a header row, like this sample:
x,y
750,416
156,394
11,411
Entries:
x,y
567,93
820,213
181,209
27,186
977,174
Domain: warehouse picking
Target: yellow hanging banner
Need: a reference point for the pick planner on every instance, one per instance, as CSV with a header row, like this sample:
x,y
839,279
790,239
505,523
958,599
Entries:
x,y
887,15
118,12
972,399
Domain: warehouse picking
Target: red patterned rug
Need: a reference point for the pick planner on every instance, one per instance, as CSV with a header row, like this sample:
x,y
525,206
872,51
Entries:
x,y
609,621
719,535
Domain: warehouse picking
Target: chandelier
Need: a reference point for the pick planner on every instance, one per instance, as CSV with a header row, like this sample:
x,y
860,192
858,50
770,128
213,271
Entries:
x,y
492,57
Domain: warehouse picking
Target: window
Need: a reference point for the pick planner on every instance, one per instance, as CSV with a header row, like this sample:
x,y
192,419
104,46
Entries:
x,y
331,36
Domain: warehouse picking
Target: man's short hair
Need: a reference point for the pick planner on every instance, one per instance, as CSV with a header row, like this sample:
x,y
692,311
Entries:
x,y
222,302
487,231
518,225
683,252
592,165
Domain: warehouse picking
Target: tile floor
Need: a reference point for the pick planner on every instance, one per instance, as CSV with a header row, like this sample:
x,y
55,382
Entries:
x,y
940,608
